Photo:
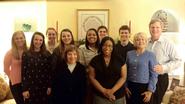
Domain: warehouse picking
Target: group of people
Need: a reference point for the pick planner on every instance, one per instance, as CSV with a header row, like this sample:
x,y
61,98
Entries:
x,y
97,72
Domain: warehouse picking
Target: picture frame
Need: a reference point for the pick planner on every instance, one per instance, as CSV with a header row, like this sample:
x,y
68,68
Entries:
x,y
175,82
91,18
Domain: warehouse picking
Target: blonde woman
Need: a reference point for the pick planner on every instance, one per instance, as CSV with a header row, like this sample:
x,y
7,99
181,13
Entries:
x,y
141,78
52,38
12,64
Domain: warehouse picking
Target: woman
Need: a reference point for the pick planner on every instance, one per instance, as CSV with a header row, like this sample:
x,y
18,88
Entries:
x,y
102,32
69,84
12,64
141,78
36,79
66,38
107,74
52,40
87,52
90,49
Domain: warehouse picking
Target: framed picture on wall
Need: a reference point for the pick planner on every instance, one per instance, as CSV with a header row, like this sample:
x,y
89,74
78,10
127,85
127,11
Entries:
x,y
91,18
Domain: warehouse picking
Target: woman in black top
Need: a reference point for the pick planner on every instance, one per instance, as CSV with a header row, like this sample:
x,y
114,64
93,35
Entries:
x,y
36,79
107,73
69,83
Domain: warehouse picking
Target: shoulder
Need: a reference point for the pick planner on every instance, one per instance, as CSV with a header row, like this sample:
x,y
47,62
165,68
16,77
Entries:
x,y
9,53
149,53
82,46
131,52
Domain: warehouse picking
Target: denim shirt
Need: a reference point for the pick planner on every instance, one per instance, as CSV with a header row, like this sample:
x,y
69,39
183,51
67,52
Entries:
x,y
140,68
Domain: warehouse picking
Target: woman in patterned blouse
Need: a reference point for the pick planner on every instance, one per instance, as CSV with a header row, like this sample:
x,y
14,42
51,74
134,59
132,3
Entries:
x,y
36,79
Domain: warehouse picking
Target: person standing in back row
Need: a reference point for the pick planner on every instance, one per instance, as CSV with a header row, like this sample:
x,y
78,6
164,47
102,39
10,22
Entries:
x,y
102,32
167,58
124,45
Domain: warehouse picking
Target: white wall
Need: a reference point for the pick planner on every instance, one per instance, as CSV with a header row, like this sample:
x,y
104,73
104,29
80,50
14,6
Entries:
x,y
9,11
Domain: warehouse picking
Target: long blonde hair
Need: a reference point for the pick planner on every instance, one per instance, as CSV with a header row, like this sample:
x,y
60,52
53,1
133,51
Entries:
x,y
14,46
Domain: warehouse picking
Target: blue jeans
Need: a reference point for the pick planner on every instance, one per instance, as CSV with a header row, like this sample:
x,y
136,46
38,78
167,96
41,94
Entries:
x,y
101,100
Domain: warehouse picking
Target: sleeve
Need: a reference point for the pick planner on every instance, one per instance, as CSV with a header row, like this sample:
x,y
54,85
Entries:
x,y
50,70
93,62
7,63
152,75
174,59
25,74
81,56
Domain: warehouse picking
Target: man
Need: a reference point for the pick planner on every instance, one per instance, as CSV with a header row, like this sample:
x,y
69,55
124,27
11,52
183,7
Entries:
x,y
167,58
124,45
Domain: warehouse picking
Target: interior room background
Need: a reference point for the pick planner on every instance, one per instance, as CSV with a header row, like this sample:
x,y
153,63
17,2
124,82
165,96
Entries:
x,y
63,14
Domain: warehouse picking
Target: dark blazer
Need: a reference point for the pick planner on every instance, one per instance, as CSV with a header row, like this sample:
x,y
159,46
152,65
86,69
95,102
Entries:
x,y
67,87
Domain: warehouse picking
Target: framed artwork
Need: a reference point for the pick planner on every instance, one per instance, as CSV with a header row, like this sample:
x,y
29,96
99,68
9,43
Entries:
x,y
26,24
175,82
91,18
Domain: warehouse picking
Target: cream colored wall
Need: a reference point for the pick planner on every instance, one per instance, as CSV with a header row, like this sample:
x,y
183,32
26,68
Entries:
x,y
121,11
10,12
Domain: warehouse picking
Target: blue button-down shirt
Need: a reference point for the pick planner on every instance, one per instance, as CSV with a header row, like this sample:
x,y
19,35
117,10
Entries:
x,y
140,68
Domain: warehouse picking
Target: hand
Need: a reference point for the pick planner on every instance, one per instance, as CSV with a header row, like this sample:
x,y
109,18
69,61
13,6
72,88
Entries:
x,y
128,92
147,96
158,69
26,95
108,93
48,91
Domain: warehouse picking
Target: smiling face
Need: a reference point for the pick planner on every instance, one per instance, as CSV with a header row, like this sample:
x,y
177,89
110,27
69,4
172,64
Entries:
x,y
107,48
102,32
155,30
51,34
72,57
91,37
140,41
19,40
66,37
124,35
37,42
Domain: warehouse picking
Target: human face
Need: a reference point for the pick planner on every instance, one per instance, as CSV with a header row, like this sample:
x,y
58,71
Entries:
x,y
37,42
140,42
155,30
107,48
66,37
51,34
124,35
92,37
71,57
19,40
102,33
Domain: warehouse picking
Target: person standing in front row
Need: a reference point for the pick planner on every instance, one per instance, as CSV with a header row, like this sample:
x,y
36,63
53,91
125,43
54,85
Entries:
x,y
12,65
107,73
36,71
167,58
69,80
141,78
